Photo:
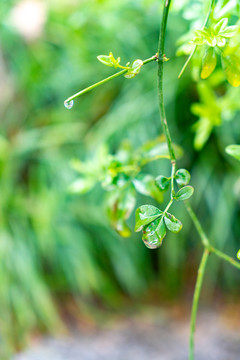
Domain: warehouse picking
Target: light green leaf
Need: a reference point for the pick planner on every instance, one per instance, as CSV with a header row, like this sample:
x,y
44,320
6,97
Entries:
x,y
209,63
145,214
184,193
109,60
221,25
82,185
182,177
229,31
234,150
134,70
154,233
231,65
173,224
163,182
145,184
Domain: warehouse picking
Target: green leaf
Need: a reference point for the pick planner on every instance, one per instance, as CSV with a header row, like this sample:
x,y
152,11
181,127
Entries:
x,y
229,31
209,63
134,70
231,65
163,182
109,60
82,185
156,149
120,204
154,233
145,214
182,177
234,150
145,184
221,25
184,193
173,224
199,40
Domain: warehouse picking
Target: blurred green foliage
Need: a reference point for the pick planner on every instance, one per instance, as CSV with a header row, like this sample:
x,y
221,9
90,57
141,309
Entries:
x,y
53,244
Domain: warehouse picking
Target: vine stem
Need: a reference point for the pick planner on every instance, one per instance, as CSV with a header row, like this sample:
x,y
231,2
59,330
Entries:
x,y
196,296
161,57
101,82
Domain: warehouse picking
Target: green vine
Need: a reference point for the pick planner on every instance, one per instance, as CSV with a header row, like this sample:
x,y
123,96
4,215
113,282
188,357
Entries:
x,y
122,179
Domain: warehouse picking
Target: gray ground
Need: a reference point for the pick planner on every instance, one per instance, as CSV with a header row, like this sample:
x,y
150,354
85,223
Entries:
x,y
143,337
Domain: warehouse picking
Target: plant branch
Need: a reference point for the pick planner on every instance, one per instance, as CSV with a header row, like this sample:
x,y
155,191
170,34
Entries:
x,y
160,79
197,224
91,87
196,296
225,257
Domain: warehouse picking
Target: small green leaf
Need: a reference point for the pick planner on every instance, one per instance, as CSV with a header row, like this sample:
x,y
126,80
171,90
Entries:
x,y
182,177
184,193
209,63
229,31
173,224
145,214
221,25
134,69
109,60
163,182
234,150
154,233
238,254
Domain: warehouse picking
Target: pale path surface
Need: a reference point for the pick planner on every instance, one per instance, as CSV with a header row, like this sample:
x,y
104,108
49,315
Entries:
x,y
143,338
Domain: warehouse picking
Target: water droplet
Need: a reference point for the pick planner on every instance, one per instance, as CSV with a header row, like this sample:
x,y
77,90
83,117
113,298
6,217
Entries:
x,y
238,254
68,104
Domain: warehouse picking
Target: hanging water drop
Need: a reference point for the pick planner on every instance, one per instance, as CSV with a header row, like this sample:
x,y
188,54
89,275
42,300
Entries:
x,y
68,104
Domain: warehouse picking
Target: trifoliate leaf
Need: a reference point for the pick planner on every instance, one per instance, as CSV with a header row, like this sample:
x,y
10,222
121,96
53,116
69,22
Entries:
x,y
184,193
145,214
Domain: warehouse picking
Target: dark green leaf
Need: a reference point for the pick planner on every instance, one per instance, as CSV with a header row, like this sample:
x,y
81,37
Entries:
x,y
145,214
182,177
172,223
234,150
184,193
154,233
163,182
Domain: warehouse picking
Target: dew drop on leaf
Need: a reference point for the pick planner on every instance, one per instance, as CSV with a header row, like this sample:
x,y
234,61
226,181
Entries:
x,y
68,104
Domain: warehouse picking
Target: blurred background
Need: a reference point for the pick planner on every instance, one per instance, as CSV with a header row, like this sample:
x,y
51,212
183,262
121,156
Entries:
x,y
60,261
